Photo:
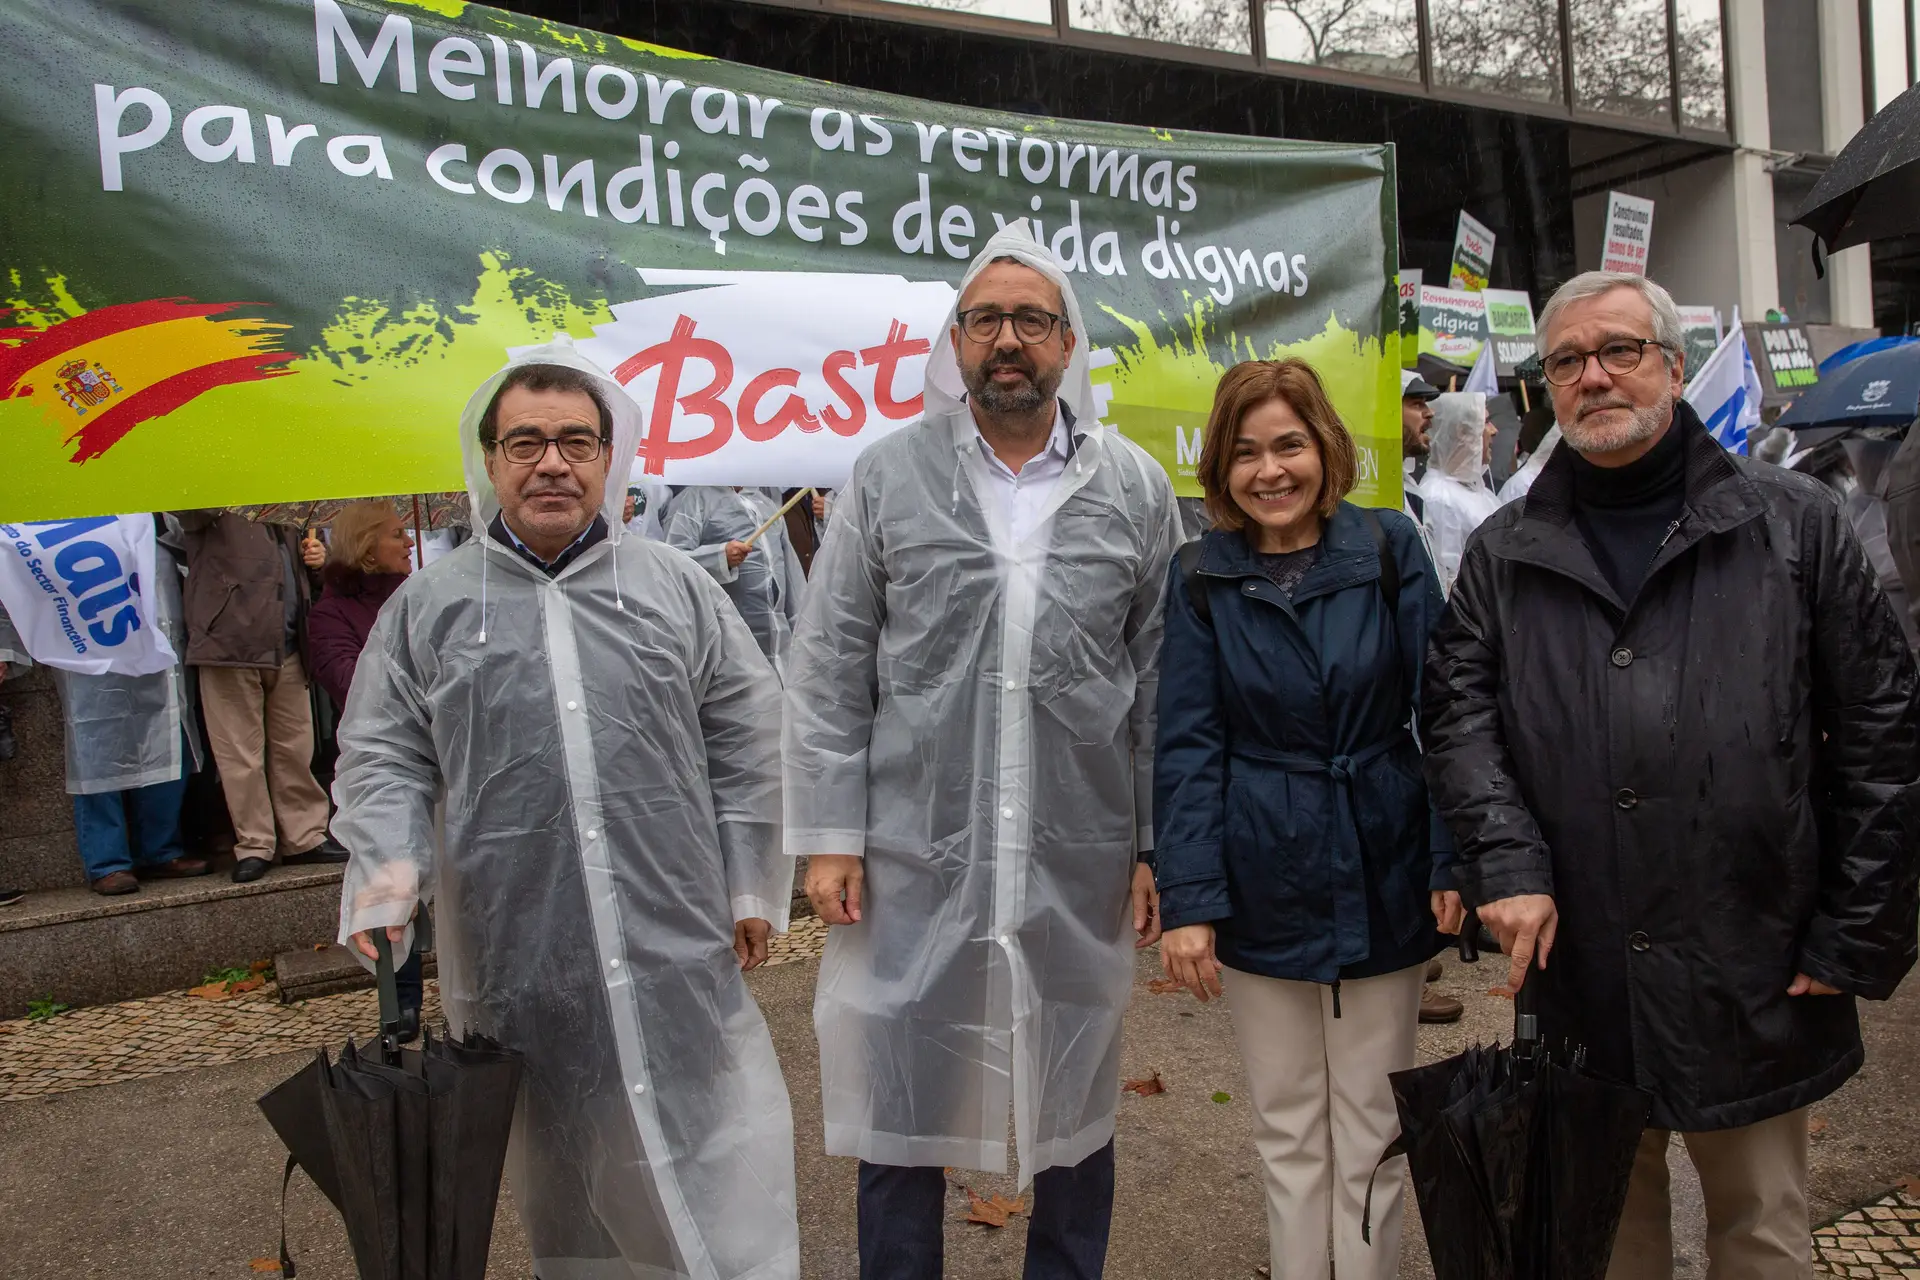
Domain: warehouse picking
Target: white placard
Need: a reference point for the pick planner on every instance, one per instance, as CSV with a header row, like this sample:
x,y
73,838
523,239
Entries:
x,y
1629,233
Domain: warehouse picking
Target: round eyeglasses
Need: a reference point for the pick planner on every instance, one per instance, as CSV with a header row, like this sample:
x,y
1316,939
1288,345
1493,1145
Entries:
x,y
525,450
1617,355
1031,325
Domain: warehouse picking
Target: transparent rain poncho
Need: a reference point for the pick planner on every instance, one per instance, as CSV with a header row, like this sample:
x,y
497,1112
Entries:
x,y
1454,491
702,520
1520,483
976,718
124,732
581,773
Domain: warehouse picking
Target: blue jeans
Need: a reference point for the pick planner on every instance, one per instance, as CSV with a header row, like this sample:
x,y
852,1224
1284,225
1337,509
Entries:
x,y
121,830
903,1212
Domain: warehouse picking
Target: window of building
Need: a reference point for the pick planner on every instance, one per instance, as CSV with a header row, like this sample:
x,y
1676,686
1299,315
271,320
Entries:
x,y
1202,24
1017,10
1368,37
1886,36
1703,73
1620,61
1509,47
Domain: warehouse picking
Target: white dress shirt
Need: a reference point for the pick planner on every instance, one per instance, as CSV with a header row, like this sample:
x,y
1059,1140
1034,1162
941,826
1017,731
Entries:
x,y
1016,501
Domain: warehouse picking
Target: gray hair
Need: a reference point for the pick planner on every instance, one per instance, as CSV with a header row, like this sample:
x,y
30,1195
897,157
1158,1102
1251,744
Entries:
x,y
1667,329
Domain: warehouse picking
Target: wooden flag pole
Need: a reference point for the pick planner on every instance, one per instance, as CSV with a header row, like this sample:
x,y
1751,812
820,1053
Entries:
x,y
1526,405
779,515
419,541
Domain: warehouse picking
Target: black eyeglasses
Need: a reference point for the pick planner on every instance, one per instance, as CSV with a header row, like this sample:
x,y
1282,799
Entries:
x,y
1030,325
526,450
1617,355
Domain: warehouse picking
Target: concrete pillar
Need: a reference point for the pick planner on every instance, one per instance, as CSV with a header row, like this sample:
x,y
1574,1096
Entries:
x,y
1758,277
1843,108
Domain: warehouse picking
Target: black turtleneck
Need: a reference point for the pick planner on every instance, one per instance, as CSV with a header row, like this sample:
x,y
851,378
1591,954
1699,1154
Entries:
x,y
1624,513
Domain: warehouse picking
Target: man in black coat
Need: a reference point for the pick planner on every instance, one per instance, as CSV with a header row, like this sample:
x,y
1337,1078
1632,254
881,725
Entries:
x,y
1674,728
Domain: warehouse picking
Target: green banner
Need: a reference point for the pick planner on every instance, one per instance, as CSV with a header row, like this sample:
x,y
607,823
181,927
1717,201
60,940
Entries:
x,y
263,250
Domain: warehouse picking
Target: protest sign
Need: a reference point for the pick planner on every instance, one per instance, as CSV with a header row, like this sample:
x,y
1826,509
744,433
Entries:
x,y
1629,232
1409,315
1702,328
81,594
289,237
1453,324
1784,357
1510,328
1472,255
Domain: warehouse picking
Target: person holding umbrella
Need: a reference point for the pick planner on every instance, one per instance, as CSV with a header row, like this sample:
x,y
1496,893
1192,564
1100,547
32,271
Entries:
x,y
1296,844
566,739
1675,729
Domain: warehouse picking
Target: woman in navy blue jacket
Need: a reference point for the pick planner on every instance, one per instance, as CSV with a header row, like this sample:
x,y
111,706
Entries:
x,y
1295,844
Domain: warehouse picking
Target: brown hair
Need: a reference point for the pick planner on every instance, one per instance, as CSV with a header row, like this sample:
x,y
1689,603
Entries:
x,y
356,530
1245,387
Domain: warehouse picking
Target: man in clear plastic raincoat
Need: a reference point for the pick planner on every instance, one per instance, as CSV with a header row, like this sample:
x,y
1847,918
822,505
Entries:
x,y
564,737
1454,489
969,756
712,524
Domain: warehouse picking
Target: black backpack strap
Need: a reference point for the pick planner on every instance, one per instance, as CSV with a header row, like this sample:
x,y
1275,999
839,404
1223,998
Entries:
x,y
1389,563
1190,574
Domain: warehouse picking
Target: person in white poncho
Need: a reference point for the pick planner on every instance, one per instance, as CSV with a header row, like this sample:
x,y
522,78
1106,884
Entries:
x,y
969,761
1453,492
564,737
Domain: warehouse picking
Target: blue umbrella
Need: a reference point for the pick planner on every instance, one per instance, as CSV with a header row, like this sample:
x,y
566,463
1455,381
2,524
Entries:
x,y
1877,390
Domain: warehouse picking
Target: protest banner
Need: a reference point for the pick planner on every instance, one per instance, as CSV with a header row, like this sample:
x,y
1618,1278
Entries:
x,y
1702,328
1409,315
81,594
1510,328
1784,356
1453,324
1629,233
1472,255
263,250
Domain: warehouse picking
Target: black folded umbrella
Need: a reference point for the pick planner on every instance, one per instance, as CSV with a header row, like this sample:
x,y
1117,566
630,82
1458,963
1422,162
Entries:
x,y
1520,1159
408,1145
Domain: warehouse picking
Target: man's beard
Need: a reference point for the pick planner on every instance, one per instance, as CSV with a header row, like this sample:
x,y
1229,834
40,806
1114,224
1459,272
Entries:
x,y
1028,397
1641,426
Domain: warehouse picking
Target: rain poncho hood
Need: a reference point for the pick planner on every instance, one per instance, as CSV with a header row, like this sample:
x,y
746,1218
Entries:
x,y
973,715
586,788
1453,493
1458,436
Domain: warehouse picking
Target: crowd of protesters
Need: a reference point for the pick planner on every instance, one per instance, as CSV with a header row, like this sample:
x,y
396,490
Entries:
x,y
1645,715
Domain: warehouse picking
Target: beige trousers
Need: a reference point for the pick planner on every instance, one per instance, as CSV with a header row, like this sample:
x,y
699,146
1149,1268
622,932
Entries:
x,y
1754,1182
1323,1113
260,726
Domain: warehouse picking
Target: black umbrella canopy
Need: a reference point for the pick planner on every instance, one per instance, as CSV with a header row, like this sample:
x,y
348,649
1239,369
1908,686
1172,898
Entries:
x,y
1872,192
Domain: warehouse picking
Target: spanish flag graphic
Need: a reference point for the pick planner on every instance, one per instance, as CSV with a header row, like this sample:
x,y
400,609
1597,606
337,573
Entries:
x,y
98,375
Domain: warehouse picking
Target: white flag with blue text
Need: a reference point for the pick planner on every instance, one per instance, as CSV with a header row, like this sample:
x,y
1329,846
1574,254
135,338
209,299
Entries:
x,y
1726,391
81,594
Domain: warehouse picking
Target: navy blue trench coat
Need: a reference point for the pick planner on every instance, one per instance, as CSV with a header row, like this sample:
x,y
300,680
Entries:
x,y
1290,810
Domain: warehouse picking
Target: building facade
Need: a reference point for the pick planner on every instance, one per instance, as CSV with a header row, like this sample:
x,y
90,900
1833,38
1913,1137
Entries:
x,y
1525,113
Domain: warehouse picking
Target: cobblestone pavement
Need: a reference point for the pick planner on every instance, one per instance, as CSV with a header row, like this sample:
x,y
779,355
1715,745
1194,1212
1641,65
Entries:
x,y
180,1032
1882,1239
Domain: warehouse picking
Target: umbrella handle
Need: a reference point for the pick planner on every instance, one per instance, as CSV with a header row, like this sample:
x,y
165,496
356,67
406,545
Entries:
x,y
1526,1019
389,990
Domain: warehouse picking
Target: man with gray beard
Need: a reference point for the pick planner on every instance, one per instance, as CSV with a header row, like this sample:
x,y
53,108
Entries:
x,y
1673,725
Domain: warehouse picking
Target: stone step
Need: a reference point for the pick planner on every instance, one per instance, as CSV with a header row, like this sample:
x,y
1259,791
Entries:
x,y
327,971
78,948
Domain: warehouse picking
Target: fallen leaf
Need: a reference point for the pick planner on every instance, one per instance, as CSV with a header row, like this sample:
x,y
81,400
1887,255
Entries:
x,y
985,1212
1908,1184
322,946
264,1264
251,984
1815,1125
1502,992
1223,1096
1009,1207
1145,1088
213,991
261,966
1162,986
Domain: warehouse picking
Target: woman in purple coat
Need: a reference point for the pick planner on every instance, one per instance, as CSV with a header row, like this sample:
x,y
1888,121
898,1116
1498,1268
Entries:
x,y
369,559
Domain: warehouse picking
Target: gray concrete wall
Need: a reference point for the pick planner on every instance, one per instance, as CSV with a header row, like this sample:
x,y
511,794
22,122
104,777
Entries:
x,y
37,849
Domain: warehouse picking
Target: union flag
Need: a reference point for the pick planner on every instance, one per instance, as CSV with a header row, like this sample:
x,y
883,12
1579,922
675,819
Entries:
x,y
97,376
